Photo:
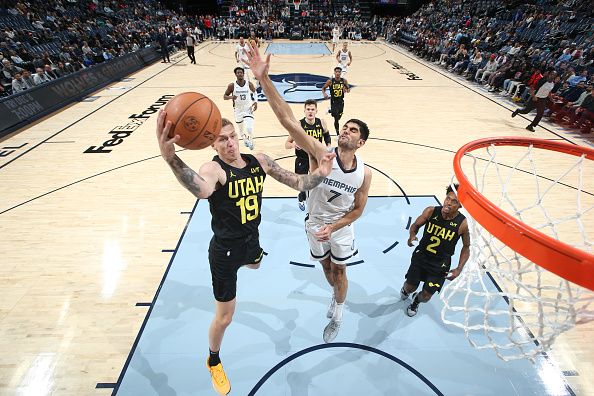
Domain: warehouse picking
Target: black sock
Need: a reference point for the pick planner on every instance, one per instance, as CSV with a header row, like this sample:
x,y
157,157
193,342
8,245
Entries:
x,y
336,126
214,358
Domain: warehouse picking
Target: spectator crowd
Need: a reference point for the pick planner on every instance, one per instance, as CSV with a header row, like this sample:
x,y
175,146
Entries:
x,y
512,50
509,48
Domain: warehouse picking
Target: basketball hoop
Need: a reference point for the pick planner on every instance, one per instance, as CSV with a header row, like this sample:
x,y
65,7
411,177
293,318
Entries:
x,y
297,3
538,253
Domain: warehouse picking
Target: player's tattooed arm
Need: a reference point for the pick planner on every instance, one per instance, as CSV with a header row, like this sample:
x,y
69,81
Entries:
x,y
191,180
293,180
201,184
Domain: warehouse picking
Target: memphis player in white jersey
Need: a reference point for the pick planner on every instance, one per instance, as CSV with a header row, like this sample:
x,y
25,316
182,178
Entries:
x,y
333,206
344,58
242,92
335,203
241,58
335,37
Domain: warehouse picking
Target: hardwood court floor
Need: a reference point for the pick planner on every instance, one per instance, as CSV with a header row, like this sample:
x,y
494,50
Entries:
x,y
87,232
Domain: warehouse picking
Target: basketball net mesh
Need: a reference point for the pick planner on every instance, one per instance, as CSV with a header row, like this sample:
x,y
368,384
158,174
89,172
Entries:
x,y
502,300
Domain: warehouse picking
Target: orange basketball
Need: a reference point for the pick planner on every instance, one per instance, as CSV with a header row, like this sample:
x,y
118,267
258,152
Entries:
x,y
195,118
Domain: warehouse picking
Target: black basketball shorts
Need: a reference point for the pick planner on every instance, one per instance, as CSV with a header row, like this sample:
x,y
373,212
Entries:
x,y
301,165
225,258
430,270
336,107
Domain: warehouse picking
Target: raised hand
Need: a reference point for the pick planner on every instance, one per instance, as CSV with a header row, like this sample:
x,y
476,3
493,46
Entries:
x,y
165,143
258,65
325,164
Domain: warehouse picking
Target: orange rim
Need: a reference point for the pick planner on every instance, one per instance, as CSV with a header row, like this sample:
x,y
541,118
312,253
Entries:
x,y
568,262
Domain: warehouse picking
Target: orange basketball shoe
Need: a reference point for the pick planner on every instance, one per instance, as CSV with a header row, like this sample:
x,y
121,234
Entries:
x,y
220,383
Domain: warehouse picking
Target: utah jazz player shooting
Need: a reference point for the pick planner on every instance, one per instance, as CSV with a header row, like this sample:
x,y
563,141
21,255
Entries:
x,y
233,183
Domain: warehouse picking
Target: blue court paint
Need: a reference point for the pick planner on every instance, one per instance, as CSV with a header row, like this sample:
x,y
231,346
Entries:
x,y
298,49
281,312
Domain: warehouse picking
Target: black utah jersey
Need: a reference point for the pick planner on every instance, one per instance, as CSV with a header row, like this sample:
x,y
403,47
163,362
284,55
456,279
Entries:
x,y
235,206
314,130
440,235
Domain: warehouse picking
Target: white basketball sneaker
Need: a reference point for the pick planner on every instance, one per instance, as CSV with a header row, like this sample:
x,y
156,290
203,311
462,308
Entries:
x,y
413,308
331,331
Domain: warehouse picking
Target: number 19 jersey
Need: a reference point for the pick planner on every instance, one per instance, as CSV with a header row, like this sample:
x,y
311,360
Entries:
x,y
235,206
335,196
440,235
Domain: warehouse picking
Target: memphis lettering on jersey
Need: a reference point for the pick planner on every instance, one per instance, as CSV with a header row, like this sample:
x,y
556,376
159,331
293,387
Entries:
x,y
440,232
340,185
244,187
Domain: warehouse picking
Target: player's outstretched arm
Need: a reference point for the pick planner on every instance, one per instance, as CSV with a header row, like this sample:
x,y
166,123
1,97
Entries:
x,y
293,180
282,110
419,222
361,196
201,185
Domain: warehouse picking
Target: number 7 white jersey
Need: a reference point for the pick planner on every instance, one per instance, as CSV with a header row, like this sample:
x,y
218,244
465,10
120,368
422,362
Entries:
x,y
335,196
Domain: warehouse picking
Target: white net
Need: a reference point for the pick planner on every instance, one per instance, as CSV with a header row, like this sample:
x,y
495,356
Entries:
x,y
501,299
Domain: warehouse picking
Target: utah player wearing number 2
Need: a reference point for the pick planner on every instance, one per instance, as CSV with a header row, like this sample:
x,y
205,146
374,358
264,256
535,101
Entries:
x,y
232,183
431,260
333,205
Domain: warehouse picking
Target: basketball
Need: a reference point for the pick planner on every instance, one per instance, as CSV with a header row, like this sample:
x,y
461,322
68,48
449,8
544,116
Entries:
x,y
195,118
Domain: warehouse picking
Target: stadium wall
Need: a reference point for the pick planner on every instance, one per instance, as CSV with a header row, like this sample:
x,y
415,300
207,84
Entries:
x,y
21,109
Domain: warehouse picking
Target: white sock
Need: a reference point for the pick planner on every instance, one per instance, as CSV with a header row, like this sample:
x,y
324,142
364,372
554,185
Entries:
x,y
338,312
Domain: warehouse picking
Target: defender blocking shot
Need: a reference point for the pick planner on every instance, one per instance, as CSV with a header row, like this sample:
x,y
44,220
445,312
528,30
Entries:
x,y
333,208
